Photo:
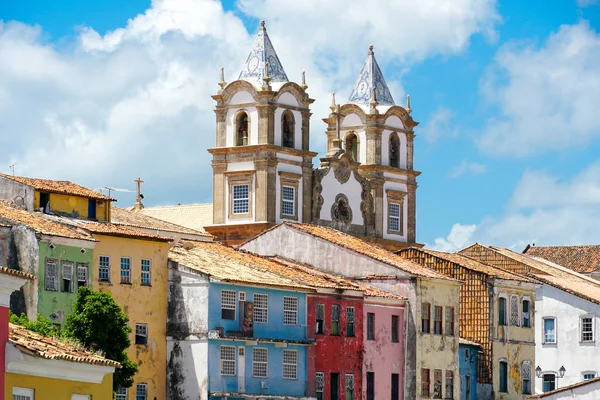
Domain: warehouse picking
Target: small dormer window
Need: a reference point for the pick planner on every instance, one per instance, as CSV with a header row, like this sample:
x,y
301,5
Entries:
x,y
242,129
287,129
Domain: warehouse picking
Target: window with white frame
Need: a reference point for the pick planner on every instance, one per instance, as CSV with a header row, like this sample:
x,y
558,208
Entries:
x,y
125,270
146,273
290,310
588,375
51,275
514,310
288,200
228,360
260,362
67,276
104,268
81,397
395,207
141,391
228,300
349,386
319,384
526,377
241,199
22,393
394,217
587,329
290,364
549,330
261,308
141,334
82,274
121,394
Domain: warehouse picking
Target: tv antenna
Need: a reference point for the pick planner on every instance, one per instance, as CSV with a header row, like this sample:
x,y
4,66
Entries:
x,y
12,168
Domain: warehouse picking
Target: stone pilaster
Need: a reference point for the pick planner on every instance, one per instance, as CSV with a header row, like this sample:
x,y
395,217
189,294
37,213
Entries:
x,y
373,144
265,195
266,124
306,130
307,173
219,200
412,210
410,142
221,113
377,184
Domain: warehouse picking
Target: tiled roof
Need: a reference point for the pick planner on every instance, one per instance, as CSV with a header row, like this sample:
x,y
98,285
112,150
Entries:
x,y
311,276
551,393
372,251
582,259
231,265
53,349
16,272
63,187
121,216
38,222
193,216
468,342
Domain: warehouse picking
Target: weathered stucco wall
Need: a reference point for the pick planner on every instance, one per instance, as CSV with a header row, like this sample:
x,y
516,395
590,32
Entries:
x,y
10,190
26,258
52,389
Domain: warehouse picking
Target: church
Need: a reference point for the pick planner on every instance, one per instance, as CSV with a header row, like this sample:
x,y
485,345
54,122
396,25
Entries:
x,y
264,170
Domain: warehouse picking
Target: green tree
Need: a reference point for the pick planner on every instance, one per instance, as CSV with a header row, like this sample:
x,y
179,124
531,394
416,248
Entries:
x,y
99,324
42,325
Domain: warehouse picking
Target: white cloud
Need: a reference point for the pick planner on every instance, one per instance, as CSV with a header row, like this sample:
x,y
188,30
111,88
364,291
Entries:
x,y
136,101
439,125
459,237
467,167
586,3
547,96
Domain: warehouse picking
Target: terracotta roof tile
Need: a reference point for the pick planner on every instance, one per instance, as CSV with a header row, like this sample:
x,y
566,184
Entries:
x,y
193,216
53,349
38,222
16,272
468,342
231,265
63,187
355,244
137,219
582,259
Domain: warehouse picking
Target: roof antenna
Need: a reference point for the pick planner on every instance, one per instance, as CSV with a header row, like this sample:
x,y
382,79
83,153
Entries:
x,y
12,168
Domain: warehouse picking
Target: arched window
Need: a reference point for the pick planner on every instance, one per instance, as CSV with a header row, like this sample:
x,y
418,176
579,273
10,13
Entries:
x,y
241,136
394,150
352,146
287,129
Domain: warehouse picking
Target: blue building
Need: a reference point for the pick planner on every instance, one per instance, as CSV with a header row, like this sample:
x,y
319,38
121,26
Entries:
x,y
234,329
467,365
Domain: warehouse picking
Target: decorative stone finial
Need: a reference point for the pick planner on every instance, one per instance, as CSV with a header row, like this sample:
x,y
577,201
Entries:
x,y
408,109
303,85
371,50
333,106
222,83
266,78
374,102
262,25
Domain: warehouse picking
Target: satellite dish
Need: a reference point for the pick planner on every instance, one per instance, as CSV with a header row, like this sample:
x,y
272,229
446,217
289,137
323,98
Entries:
x,y
19,201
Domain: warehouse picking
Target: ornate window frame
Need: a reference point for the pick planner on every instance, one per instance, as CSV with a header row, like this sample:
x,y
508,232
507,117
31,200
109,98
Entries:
x,y
289,179
291,115
395,197
235,178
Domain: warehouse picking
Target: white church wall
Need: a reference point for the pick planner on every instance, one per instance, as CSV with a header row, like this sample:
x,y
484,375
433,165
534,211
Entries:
x,y
394,121
351,120
402,188
577,357
288,99
284,167
231,128
331,188
242,97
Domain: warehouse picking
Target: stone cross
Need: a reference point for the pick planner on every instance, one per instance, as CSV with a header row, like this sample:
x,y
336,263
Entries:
x,y
139,182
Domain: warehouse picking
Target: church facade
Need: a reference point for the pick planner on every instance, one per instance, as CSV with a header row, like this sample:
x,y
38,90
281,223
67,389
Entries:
x,y
262,164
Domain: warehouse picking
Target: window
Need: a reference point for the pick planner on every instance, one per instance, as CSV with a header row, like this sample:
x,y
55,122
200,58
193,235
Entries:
x,y
104,270
549,330
82,275
141,334
589,375
320,385
503,376
242,129
228,360
449,385
549,382
51,275
228,304
350,321
525,314
67,276
125,270
22,393
395,387
587,329
241,199
121,394
370,326
320,318
394,217
526,377
335,320
501,311
290,310
334,386
370,385
352,146
80,397
437,320
349,387
437,384
395,224
394,150
450,321
260,362
287,129
141,391
425,317
425,383
146,272
261,308
395,338
290,364
288,200
514,310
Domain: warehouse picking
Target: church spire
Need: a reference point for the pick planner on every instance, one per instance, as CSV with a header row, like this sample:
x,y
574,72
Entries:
x,y
262,56
371,78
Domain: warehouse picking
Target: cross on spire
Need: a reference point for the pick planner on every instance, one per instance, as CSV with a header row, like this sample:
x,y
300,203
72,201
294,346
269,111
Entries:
x,y
138,202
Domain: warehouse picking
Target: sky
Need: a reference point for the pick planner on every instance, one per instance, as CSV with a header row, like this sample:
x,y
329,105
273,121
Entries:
x,y
506,94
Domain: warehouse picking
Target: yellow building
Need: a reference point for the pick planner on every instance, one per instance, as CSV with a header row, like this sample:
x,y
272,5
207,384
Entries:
x,y
42,368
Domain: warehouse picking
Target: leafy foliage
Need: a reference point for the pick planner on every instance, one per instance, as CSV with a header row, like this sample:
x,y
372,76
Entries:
x,y
42,325
99,324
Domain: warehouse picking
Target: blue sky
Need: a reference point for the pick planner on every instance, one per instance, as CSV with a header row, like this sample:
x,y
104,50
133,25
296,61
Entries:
x,y
506,95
